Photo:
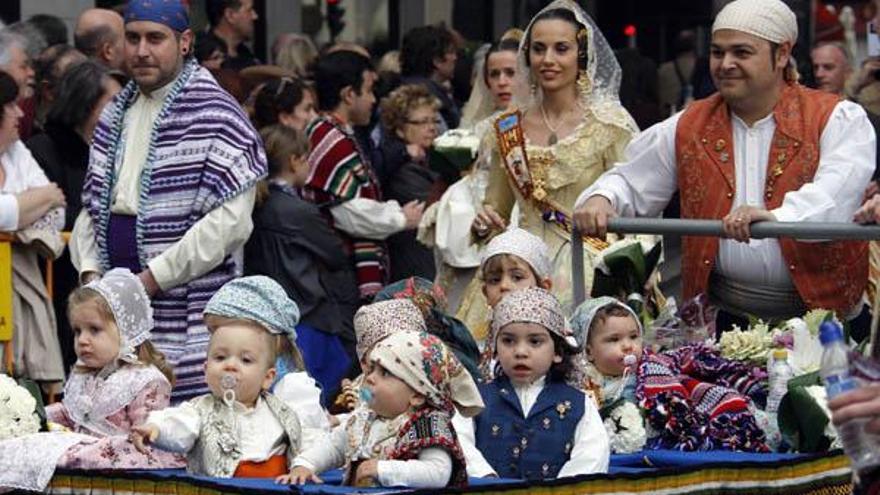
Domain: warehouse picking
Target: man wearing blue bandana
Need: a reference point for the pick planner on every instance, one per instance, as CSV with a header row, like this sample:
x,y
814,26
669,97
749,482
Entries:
x,y
170,184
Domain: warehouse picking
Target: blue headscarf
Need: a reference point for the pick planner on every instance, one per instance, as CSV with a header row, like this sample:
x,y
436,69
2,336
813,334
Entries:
x,y
171,13
260,299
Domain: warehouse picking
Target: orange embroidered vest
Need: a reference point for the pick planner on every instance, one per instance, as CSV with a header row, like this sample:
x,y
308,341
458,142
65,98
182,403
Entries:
x,y
829,275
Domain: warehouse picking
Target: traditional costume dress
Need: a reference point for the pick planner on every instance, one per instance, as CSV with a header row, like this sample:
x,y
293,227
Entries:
x,y
222,437
545,429
170,187
809,160
36,351
99,407
543,180
425,452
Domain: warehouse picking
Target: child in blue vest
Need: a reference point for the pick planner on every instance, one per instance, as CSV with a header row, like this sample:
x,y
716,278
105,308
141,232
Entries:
x,y
535,424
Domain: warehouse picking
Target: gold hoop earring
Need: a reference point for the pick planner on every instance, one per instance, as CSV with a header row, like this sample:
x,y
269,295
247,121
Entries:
x,y
583,83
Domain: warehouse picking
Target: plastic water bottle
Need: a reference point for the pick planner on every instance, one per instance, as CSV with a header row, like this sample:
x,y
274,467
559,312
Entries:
x,y
780,373
835,374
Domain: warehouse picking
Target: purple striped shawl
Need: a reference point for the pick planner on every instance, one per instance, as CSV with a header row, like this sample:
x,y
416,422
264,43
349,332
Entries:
x,y
203,152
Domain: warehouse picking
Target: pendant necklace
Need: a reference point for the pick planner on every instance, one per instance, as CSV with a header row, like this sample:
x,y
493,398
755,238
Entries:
x,y
553,138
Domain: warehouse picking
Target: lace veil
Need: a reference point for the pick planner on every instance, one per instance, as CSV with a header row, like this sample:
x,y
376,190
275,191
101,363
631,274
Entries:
x,y
479,104
604,73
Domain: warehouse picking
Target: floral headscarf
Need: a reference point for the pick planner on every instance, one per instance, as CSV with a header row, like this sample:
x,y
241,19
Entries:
x,y
431,300
377,321
424,363
259,299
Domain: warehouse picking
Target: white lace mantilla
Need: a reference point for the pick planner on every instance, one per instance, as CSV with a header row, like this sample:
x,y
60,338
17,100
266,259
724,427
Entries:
x,y
90,399
28,462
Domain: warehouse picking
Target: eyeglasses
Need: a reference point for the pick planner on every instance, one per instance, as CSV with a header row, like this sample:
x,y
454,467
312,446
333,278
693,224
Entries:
x,y
424,122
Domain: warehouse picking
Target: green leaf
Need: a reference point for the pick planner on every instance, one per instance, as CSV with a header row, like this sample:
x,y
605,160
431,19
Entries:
x,y
801,421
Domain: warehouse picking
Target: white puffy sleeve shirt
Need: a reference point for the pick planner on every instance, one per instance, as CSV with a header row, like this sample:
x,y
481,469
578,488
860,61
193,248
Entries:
x,y
644,183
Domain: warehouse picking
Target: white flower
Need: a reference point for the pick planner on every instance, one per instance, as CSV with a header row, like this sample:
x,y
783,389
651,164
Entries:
x,y
626,429
458,138
17,410
752,345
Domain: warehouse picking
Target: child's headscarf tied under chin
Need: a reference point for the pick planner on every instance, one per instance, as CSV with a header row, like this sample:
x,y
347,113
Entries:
x,y
259,299
424,363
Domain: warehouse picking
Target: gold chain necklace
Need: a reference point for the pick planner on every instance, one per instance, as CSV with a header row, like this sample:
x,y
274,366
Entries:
x,y
553,137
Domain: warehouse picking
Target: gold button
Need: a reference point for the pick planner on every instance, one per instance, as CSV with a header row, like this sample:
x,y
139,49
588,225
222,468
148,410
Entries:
x,y
730,195
704,140
791,267
706,262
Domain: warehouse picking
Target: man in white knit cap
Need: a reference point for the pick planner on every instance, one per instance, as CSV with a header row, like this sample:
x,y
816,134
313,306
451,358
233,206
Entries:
x,y
762,148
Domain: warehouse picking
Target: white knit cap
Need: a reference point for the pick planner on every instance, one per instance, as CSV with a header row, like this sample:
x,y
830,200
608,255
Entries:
x,y
523,244
771,20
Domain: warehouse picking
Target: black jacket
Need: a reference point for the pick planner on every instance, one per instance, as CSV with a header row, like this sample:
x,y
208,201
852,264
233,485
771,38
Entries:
x,y
293,244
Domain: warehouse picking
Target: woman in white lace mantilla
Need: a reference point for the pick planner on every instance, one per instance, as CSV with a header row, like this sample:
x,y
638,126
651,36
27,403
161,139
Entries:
x,y
566,127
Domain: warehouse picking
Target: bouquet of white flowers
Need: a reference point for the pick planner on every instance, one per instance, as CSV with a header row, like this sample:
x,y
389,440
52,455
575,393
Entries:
x,y
626,428
18,410
454,151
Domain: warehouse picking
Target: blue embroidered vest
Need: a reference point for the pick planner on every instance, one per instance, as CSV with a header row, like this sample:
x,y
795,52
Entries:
x,y
534,447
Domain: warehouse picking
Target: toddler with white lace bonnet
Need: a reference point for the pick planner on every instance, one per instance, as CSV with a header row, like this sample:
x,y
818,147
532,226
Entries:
x,y
118,379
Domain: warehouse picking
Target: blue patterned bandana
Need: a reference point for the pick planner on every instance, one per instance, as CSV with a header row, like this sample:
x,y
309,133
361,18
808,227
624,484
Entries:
x,y
259,299
171,13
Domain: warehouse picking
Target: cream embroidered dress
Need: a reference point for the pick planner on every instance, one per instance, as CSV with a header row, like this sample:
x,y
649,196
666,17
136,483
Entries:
x,y
559,171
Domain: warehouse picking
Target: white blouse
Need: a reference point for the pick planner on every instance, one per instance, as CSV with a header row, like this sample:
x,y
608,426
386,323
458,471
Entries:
x,y
432,469
590,454
22,173
262,435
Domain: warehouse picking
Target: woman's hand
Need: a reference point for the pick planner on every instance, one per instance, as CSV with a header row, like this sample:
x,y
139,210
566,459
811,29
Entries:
x,y
862,403
487,220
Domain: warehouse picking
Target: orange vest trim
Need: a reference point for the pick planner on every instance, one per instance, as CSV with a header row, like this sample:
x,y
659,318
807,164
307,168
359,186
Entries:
x,y
270,468
831,275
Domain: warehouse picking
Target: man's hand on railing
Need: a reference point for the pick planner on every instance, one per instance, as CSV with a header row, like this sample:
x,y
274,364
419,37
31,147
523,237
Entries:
x,y
737,223
869,212
592,217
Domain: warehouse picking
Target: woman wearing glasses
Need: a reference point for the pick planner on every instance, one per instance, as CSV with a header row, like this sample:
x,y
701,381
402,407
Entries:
x,y
409,116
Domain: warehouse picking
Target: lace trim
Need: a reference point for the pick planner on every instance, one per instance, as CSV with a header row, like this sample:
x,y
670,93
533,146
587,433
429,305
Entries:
x,y
90,400
28,463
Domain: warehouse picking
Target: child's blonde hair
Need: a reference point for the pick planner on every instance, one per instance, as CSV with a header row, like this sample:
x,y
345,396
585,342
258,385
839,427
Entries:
x,y
146,351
